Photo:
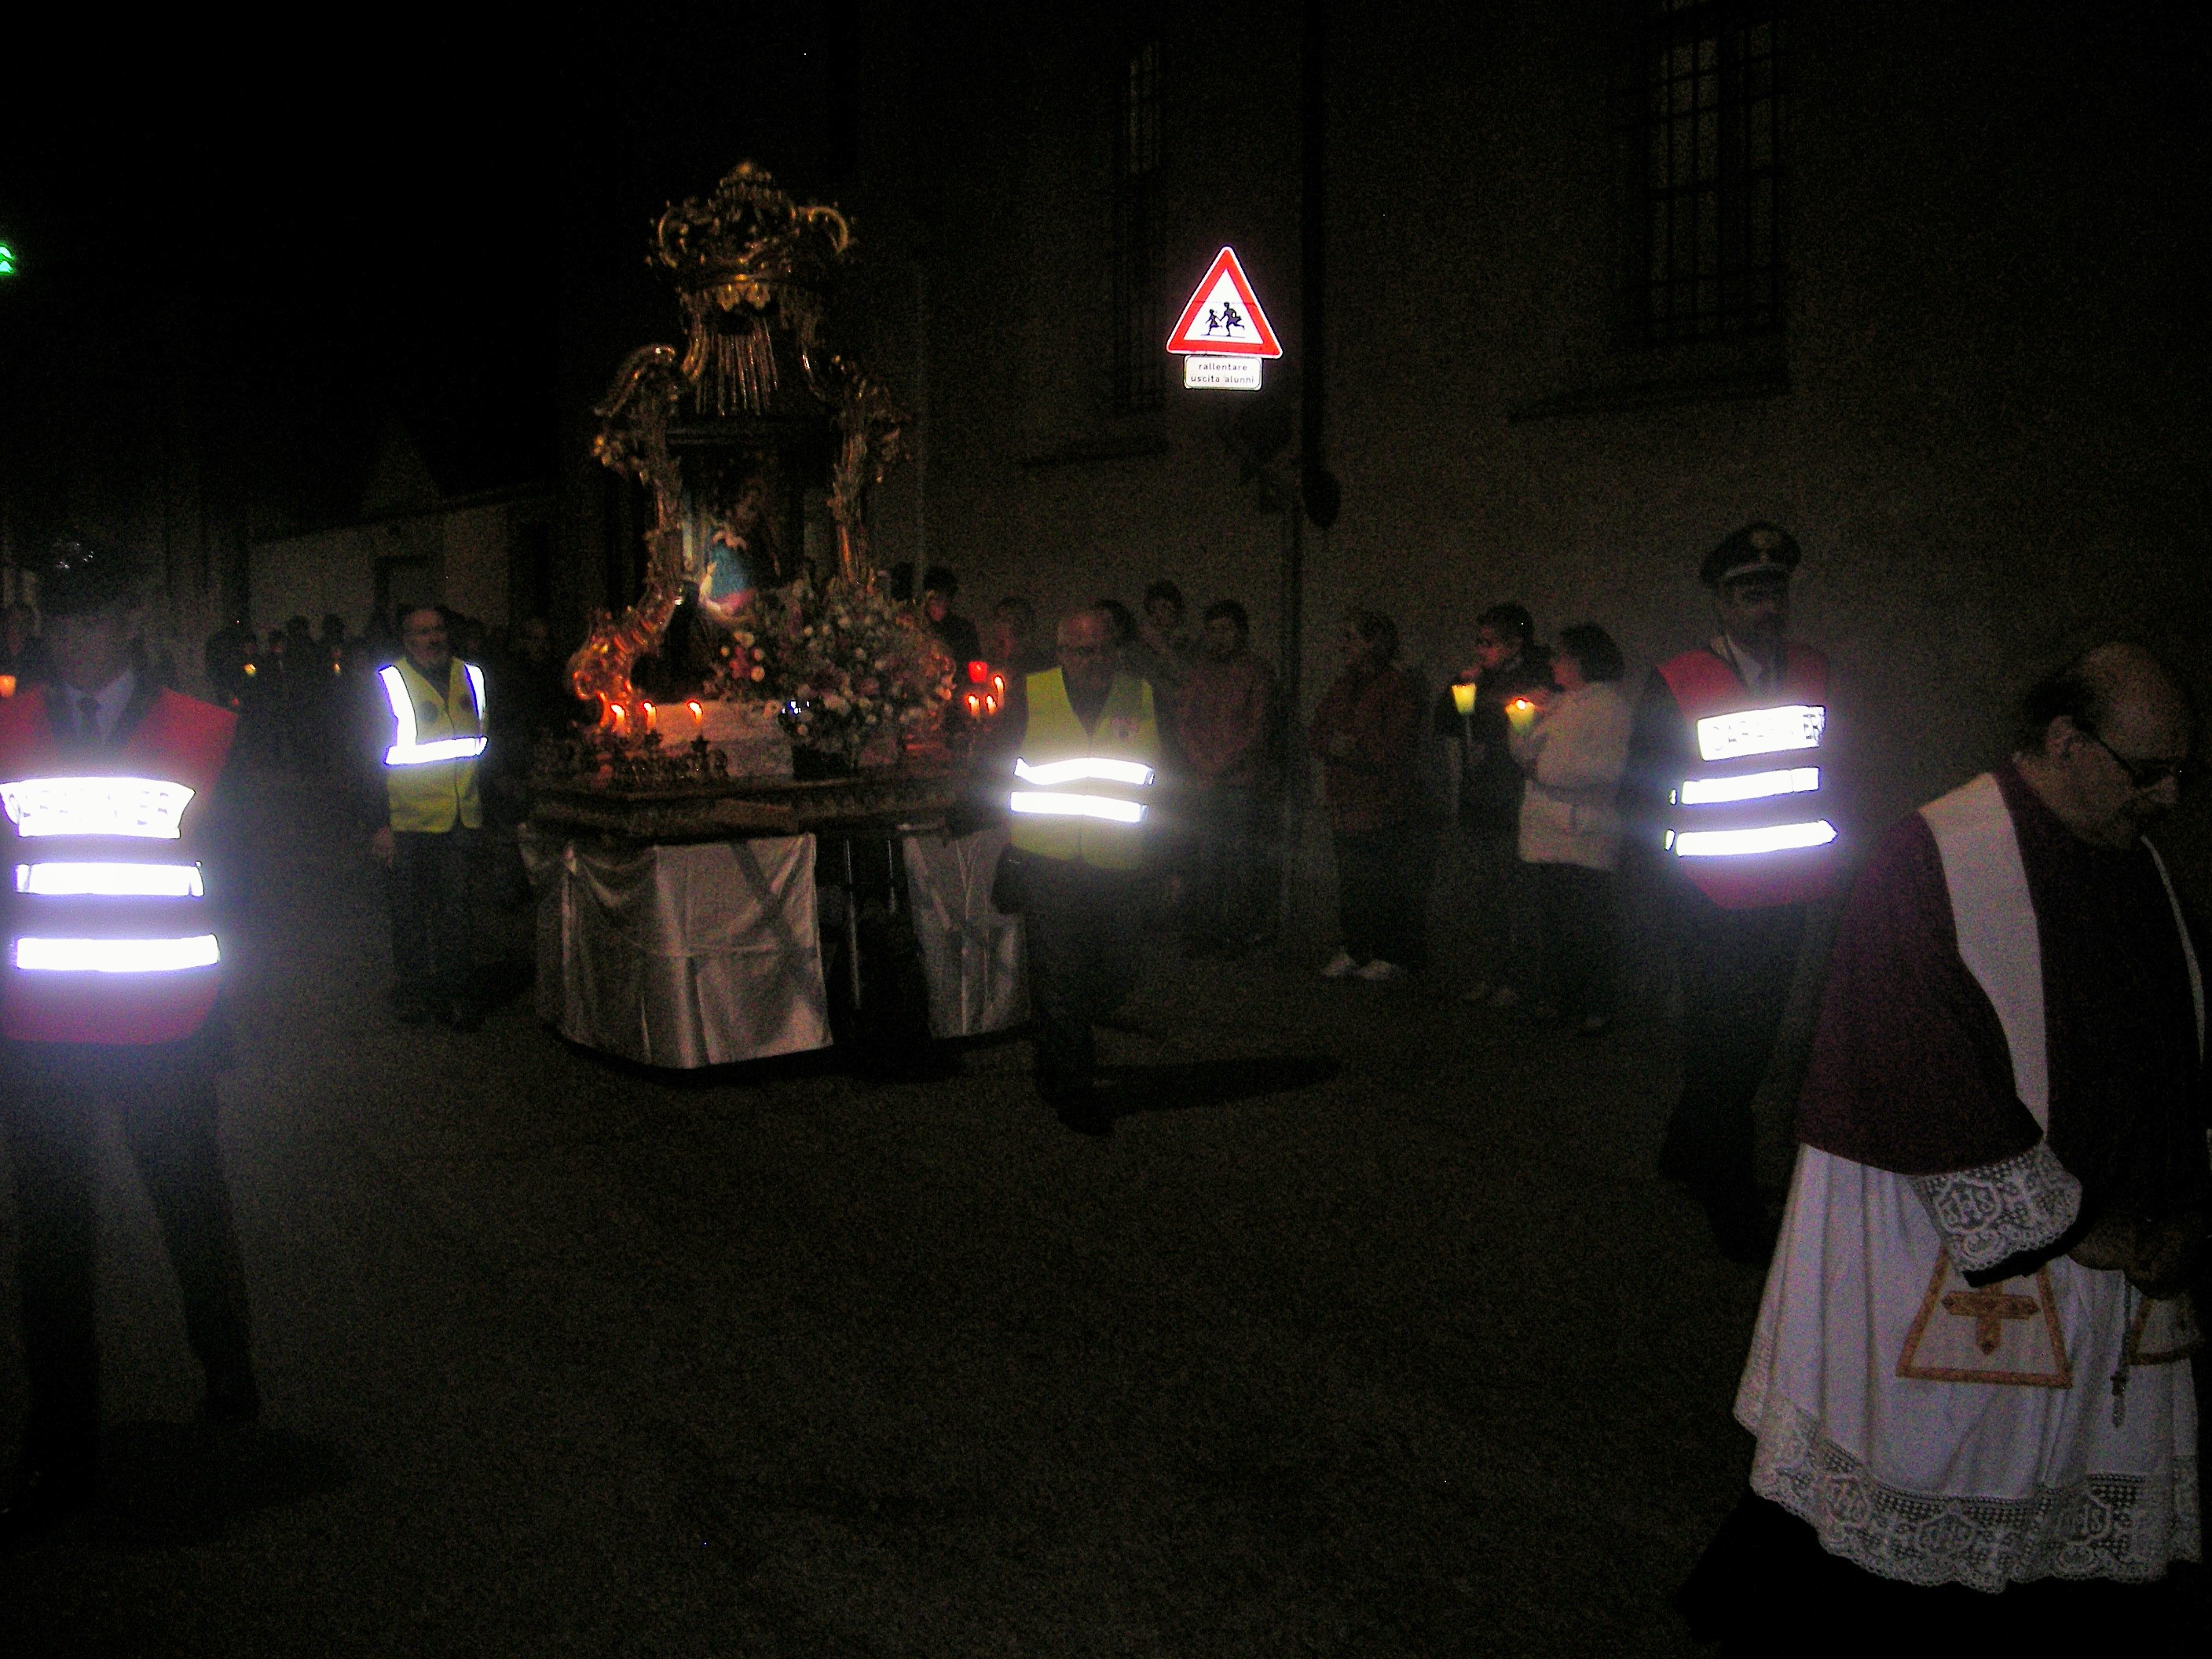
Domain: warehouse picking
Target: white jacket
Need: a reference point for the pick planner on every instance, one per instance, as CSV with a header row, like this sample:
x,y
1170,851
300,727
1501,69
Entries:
x,y
1573,754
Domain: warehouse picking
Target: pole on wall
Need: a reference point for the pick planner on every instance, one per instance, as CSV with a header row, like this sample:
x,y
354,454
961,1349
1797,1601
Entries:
x,y
1316,495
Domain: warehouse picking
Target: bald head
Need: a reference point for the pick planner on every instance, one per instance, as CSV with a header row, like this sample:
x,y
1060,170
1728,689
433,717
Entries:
x,y
1087,652
2102,742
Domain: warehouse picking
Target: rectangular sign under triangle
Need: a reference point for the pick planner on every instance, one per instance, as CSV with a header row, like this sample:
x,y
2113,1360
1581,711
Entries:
x,y
1224,318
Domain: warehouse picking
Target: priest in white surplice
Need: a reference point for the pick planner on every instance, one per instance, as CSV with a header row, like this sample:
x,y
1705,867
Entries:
x,y
1971,1370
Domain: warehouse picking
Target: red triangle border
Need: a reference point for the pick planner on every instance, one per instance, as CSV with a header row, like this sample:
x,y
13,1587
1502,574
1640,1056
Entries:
x,y
1179,339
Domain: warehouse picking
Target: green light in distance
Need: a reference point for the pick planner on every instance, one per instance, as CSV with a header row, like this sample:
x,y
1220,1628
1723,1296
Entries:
x,y
7,260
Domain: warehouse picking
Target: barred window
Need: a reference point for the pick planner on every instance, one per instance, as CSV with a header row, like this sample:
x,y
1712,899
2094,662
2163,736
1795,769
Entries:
x,y
1139,364
1705,112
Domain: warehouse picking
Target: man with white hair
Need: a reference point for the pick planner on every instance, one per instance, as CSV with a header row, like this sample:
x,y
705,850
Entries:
x,y
1972,1369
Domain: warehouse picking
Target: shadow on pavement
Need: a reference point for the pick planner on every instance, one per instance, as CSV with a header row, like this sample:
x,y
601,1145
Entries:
x,y
169,1484
1212,1082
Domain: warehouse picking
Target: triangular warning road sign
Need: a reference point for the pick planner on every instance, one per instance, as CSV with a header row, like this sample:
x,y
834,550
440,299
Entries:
x,y
1224,316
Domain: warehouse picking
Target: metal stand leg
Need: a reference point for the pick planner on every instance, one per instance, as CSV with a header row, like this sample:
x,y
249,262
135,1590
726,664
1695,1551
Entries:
x,y
852,924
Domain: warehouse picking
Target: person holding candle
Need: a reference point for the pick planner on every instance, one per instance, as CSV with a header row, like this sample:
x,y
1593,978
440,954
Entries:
x,y
1486,904
23,661
940,585
1572,748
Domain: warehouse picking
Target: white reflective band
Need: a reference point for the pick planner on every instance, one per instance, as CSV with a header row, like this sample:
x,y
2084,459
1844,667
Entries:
x,y
1761,731
75,880
1766,838
1053,774
151,809
1077,806
1749,786
438,749
407,752
116,955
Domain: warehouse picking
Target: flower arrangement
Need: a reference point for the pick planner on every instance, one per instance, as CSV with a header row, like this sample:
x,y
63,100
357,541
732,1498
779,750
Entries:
x,y
848,663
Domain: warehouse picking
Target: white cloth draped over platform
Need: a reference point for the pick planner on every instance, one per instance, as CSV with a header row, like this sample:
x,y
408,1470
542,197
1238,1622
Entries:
x,y
694,954
971,952
682,955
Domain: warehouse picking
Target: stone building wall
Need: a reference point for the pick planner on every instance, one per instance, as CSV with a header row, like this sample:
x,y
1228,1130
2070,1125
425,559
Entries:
x,y
1990,444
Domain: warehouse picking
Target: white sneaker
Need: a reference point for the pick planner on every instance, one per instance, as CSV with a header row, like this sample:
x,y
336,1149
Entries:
x,y
1340,965
1379,972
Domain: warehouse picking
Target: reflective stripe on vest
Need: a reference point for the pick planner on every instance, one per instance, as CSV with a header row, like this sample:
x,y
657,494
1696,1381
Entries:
x,y
409,750
1077,796
430,768
149,808
1051,800
87,811
116,955
111,938
1747,820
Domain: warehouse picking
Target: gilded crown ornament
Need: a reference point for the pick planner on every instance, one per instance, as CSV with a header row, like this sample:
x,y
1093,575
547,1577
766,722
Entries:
x,y
748,261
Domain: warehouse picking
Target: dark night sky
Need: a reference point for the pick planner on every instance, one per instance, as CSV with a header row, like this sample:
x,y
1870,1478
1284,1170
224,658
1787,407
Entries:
x,y
404,220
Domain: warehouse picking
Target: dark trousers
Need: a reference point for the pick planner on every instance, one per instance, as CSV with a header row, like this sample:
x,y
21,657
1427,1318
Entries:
x,y
1382,888
1579,912
1226,903
433,916
1083,928
1736,968
164,1096
1485,907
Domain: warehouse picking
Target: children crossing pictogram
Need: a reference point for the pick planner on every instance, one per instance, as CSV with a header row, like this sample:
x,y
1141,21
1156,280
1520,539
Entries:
x,y
1224,316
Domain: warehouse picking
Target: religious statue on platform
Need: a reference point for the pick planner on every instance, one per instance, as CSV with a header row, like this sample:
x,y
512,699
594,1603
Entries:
x,y
753,435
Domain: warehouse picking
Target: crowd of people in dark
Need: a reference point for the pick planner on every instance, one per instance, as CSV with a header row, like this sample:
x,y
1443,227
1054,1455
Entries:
x,y
1486,812
305,698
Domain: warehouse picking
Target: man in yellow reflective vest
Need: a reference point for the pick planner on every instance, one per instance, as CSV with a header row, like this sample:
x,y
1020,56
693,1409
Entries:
x,y
430,719
111,964
1082,786
1730,774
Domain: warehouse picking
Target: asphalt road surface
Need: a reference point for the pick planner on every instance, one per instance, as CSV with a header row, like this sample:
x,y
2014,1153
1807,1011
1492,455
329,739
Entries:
x,y
1373,1335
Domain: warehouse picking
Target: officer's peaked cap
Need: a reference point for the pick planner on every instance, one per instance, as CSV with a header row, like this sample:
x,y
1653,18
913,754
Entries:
x,y
82,576
1760,549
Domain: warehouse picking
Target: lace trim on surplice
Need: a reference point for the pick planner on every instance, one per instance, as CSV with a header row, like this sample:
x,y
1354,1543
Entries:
x,y
1999,1209
2126,1528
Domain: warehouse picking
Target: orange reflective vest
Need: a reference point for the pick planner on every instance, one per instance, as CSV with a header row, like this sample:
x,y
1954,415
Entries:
x,y
108,937
1749,822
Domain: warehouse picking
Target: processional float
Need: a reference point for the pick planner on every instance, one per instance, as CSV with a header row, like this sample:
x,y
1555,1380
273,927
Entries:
x,y
765,679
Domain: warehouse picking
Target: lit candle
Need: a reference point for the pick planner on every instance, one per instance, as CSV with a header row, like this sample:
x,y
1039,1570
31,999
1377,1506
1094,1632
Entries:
x,y
1522,712
1463,698
650,725
978,672
997,685
7,685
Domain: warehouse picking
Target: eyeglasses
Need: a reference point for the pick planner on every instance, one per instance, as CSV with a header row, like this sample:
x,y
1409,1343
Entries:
x,y
2143,774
